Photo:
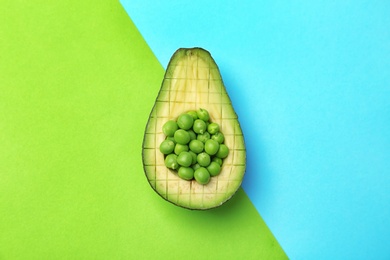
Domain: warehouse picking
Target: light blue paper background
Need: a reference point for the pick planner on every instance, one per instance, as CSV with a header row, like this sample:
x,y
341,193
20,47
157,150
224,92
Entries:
x,y
310,82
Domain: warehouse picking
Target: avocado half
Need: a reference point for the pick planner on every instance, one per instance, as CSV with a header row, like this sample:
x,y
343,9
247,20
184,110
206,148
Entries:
x,y
192,81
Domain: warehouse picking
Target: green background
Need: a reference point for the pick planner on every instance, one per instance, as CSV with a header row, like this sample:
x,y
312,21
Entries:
x,y
77,84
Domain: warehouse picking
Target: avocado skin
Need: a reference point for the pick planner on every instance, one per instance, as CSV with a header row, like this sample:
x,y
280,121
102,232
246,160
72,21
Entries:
x,y
192,81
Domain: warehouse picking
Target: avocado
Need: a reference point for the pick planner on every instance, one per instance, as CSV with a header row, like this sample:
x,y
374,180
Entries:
x,y
193,81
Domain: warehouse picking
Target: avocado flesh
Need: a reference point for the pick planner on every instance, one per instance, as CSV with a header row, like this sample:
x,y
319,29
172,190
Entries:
x,y
193,81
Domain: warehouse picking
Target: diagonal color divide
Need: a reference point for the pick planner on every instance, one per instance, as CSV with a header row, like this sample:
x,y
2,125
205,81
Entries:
x,y
77,84
309,81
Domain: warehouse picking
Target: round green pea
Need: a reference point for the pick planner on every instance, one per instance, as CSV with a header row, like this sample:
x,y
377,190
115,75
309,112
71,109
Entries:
x,y
171,161
194,155
219,137
185,121
203,159
217,160
196,166
214,169
171,138
193,114
199,126
213,128
180,148
182,136
203,114
196,146
211,147
192,134
202,176
167,146
203,137
223,151
184,159
186,173
170,127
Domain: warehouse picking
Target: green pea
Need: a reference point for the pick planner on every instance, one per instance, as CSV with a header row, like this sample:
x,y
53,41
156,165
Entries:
x,y
171,161
171,138
181,148
203,137
170,127
203,159
196,166
202,176
182,136
185,121
213,128
203,114
223,151
184,159
186,173
192,134
194,155
193,114
167,146
219,137
196,146
214,169
199,126
211,147
217,160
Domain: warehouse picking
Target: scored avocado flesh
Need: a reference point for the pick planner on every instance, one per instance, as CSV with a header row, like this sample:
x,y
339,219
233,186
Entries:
x,y
193,81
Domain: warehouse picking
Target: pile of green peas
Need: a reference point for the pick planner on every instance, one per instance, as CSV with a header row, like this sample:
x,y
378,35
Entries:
x,y
194,147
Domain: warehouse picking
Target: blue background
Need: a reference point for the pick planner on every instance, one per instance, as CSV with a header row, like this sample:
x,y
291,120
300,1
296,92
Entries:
x,y
310,82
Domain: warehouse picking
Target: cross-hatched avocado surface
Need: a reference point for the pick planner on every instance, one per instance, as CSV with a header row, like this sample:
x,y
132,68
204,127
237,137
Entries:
x,y
192,81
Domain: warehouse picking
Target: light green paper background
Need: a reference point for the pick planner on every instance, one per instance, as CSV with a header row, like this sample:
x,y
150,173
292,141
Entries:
x,y
77,83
